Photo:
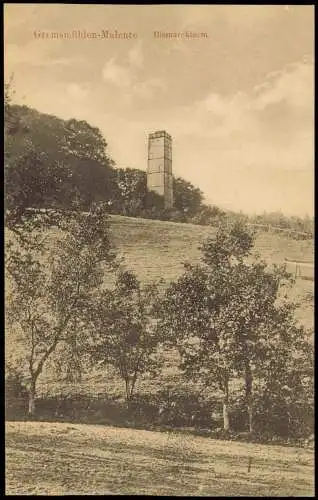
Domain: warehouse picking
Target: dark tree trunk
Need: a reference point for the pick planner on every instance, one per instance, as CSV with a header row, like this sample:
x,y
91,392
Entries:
x,y
128,393
249,394
226,418
31,405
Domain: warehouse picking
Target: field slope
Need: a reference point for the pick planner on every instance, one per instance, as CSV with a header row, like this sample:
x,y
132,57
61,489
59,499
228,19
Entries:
x,y
157,249
49,459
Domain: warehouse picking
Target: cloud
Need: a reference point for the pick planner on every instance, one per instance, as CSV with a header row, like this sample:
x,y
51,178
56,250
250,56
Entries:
x,y
252,149
135,56
37,54
126,79
77,92
294,84
116,74
149,88
259,123
240,17
249,151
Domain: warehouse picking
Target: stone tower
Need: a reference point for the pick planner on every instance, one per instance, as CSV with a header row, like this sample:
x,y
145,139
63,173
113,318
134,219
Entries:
x,y
159,171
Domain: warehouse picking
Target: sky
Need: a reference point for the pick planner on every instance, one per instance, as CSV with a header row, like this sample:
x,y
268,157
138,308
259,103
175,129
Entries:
x,y
239,102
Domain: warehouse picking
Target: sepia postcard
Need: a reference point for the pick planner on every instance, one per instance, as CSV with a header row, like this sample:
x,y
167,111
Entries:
x,y
159,249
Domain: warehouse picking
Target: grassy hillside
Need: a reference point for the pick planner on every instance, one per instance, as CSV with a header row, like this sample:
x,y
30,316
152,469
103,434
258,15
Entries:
x,y
157,250
52,459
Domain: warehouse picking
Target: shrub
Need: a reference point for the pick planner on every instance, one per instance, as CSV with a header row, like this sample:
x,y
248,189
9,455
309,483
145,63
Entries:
x,y
16,394
286,419
175,409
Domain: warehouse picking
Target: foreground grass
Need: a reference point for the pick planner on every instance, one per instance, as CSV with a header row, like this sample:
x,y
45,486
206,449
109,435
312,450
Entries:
x,y
58,458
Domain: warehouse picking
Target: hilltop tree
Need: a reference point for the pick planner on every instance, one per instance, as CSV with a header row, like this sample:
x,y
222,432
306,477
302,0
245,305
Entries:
x,y
209,215
28,174
50,289
11,121
187,198
85,152
222,313
131,191
53,163
124,330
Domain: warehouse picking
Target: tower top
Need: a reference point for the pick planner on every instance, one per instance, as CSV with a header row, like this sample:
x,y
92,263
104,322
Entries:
x,y
160,133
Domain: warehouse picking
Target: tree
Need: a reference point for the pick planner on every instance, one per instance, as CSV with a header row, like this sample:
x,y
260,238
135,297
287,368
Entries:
x,y
131,191
125,335
154,204
84,149
294,223
30,182
11,120
285,382
257,316
191,318
92,182
52,285
32,177
83,141
224,311
186,197
209,215
62,161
